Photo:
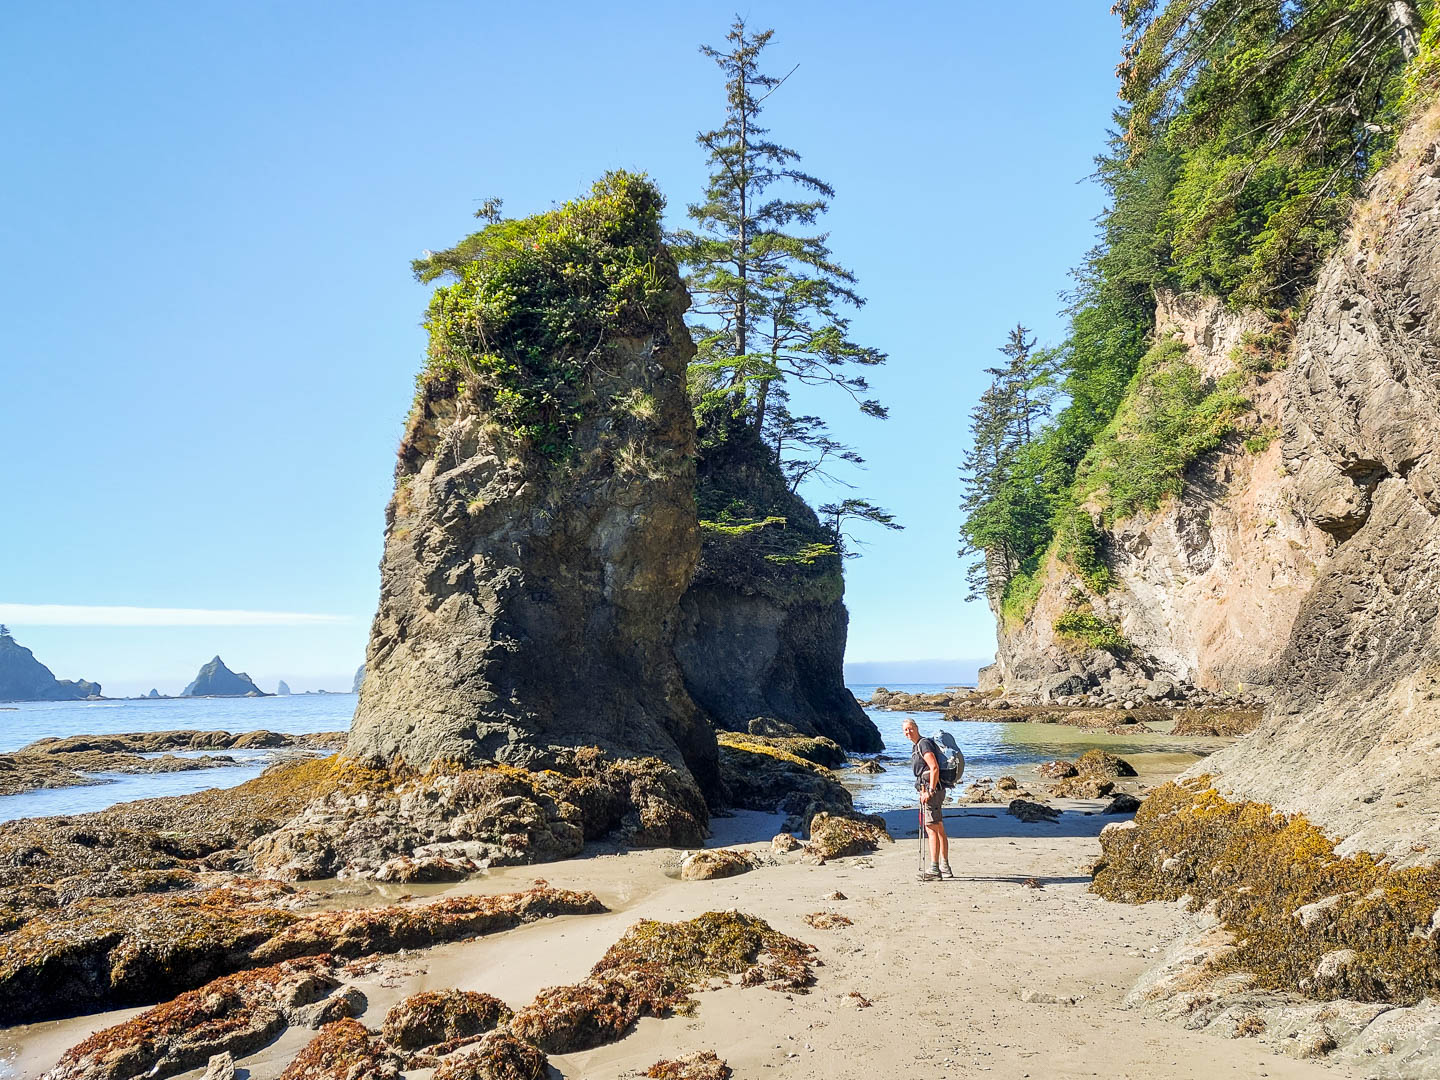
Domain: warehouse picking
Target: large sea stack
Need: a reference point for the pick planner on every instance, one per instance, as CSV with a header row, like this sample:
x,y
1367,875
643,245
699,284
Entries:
x,y
763,625
217,680
543,526
23,678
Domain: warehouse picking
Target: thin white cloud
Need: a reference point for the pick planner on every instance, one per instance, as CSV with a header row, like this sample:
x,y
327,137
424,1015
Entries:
x,y
96,615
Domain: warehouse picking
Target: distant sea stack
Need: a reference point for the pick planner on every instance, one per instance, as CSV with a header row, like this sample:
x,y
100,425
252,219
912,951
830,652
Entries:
x,y
216,680
153,693
23,678
283,690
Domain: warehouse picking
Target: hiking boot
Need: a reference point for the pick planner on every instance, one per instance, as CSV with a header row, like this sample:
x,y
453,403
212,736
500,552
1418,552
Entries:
x,y
933,874
945,871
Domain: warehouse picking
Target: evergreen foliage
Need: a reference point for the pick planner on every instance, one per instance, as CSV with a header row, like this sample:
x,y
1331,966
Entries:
x,y
1246,128
770,298
534,304
771,306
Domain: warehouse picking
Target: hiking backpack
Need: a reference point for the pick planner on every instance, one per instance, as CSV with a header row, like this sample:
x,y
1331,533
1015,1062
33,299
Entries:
x,y
952,761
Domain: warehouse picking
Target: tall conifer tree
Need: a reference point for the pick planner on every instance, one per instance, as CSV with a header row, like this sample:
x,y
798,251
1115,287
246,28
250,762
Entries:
x,y
771,300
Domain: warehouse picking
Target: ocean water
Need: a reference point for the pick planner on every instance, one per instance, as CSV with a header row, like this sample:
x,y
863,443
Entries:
x,y
1002,749
25,721
991,749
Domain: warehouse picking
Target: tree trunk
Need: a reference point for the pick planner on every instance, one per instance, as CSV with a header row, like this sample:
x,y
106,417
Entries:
x,y
1402,14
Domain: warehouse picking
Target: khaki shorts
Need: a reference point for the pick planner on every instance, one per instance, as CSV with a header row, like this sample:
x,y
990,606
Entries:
x,y
932,809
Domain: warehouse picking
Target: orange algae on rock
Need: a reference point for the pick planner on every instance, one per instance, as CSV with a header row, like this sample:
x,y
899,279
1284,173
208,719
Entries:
x,y
498,1056
699,1066
136,950
441,1017
1283,893
344,1050
238,1013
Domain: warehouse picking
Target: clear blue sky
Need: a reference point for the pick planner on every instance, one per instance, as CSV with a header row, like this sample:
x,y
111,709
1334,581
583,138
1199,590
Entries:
x,y
211,331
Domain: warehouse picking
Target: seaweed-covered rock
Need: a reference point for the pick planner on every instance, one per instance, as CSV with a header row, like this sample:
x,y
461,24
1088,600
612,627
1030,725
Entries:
x,y
715,863
652,971
760,775
543,526
869,767
702,1065
1286,897
138,949
1057,770
1224,723
446,824
499,1056
1098,765
834,837
344,1050
1032,812
236,1014
442,1016
1082,787
785,842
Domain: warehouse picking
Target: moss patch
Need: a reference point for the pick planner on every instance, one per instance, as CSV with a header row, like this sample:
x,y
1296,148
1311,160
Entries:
x,y
1092,630
1283,893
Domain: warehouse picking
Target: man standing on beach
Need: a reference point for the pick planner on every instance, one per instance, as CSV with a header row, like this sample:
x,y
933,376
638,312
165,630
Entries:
x,y
925,762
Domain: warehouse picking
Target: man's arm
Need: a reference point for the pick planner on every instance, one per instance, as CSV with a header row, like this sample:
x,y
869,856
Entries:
x,y
934,770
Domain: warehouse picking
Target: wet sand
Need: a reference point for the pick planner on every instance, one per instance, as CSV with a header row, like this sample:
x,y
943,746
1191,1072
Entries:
x,y
944,965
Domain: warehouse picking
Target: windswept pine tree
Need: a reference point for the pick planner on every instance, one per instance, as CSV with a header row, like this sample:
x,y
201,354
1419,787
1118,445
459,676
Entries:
x,y
772,305
771,300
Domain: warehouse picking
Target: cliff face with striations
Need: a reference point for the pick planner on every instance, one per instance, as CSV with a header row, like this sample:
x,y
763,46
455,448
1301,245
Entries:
x,y
528,593
1307,562
1206,586
1354,732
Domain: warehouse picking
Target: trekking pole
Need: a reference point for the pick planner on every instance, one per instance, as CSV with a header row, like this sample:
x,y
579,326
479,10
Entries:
x,y
920,832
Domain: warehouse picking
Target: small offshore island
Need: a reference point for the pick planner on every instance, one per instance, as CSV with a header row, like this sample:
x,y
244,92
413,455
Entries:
x,y
610,639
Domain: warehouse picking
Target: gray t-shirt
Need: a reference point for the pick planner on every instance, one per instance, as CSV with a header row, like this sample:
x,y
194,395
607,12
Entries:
x,y
918,763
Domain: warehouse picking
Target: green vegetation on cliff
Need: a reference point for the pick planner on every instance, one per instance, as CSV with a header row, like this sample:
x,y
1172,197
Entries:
x,y
1247,128
534,303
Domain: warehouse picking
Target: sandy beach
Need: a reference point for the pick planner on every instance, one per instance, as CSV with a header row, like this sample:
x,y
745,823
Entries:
x,y
947,967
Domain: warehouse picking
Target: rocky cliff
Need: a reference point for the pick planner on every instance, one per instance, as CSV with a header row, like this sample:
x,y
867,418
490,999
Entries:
x,y
23,678
1354,729
1204,589
543,527
216,680
761,635
1303,555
